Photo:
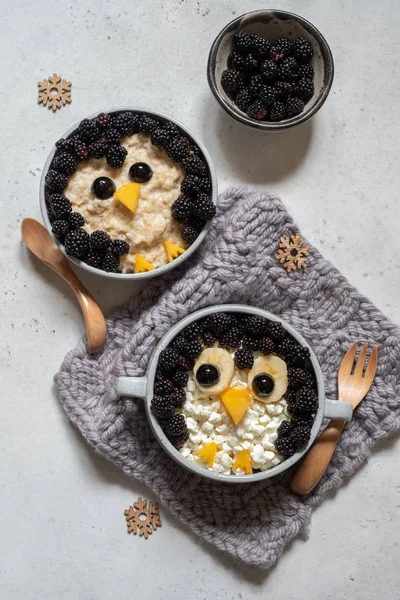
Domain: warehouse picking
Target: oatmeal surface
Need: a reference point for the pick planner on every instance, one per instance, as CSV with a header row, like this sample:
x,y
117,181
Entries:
x,y
152,223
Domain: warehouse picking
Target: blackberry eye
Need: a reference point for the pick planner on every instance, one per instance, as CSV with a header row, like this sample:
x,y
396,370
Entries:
x,y
263,385
207,375
140,172
103,188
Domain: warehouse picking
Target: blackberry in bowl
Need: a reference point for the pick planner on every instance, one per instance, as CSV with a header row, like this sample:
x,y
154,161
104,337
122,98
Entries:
x,y
128,193
270,69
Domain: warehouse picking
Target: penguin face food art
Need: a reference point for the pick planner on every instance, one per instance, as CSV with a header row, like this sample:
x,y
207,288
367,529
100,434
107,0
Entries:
x,y
235,393
127,193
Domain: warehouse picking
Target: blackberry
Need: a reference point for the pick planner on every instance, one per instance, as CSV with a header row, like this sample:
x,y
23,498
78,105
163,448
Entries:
x,y
113,136
269,70
302,420
179,344
297,378
176,427
217,323
79,148
289,69
186,364
305,88
205,185
116,156
285,446
260,46
160,137
59,207
284,429
232,81
55,182
163,387
278,112
203,207
190,185
243,99
243,42
193,332
189,234
100,240
282,48
171,129
251,343
283,90
276,331
65,163
244,358
168,359
110,263
60,229
193,349
178,148
194,165
266,345
285,347
250,64
267,95
294,107
302,50
179,443
298,356
103,120
235,61
179,398
163,407
88,131
63,144
257,110
300,436
310,380
306,71
146,124
125,123
94,258
196,223
77,243
181,209
255,325
98,149
179,378
231,338
119,247
208,339
255,84
306,402
75,220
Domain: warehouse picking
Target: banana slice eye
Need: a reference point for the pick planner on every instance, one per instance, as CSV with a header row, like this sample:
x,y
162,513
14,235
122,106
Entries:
x,y
213,370
268,378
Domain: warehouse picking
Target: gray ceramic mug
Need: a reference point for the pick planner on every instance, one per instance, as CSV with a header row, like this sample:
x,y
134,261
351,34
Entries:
x,y
142,387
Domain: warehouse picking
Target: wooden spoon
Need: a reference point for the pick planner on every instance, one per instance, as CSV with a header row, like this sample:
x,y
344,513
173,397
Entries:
x,y
40,243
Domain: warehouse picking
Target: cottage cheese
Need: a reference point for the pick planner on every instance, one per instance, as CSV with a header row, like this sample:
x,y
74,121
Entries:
x,y
152,223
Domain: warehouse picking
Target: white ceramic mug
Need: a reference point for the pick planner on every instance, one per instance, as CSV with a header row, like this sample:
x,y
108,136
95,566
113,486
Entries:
x,y
142,387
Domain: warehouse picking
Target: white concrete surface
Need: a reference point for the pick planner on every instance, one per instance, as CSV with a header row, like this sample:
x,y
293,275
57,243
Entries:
x,y
62,530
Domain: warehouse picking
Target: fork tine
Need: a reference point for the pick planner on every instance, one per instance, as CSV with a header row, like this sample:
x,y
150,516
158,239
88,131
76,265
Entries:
x,y
347,363
372,363
358,370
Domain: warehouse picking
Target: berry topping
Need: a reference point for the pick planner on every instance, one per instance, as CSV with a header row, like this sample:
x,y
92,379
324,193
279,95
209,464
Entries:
x,y
65,163
76,220
146,124
160,137
94,258
60,229
178,148
110,263
263,385
103,120
193,348
77,243
189,234
113,135
125,123
298,356
182,209
266,345
176,427
244,358
297,378
194,165
162,407
88,131
285,428
231,338
140,172
163,387
98,149
193,332
55,182
168,359
276,331
255,325
179,398
203,207
207,375
306,402
179,378
116,156
100,240
119,247
103,188
59,207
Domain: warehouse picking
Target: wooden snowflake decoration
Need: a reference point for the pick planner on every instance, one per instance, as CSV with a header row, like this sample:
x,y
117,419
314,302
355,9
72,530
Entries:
x,y
293,252
54,92
143,518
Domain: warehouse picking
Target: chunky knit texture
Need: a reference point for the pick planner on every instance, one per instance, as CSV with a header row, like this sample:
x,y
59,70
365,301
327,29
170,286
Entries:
x,y
236,263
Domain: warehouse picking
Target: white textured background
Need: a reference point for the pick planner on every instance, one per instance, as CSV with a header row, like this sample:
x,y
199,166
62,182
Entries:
x,y
62,530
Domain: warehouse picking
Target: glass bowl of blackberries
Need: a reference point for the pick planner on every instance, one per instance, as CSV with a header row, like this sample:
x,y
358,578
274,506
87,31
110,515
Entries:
x,y
270,69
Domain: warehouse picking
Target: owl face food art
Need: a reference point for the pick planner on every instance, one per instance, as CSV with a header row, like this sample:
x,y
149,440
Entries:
x,y
127,193
235,393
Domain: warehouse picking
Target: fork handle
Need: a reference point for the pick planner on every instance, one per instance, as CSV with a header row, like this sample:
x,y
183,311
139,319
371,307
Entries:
x,y
317,459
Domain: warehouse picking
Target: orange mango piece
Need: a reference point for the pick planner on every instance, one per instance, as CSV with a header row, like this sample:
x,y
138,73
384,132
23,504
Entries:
x,y
142,265
172,250
207,453
243,462
236,402
128,195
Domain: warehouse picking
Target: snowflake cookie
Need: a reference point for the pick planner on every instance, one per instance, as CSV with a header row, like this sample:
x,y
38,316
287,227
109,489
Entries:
x,y
293,252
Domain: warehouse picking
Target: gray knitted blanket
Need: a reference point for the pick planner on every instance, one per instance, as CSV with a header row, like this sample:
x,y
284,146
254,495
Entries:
x,y
235,264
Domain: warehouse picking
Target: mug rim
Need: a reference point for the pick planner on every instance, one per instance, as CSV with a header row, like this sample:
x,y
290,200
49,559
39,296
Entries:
x,y
158,271
167,445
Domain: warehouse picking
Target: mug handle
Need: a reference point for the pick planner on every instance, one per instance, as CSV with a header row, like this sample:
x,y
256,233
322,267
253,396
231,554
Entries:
x,y
336,409
132,386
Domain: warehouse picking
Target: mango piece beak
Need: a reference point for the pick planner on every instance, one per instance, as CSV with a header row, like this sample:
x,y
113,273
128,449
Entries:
x,y
128,195
236,402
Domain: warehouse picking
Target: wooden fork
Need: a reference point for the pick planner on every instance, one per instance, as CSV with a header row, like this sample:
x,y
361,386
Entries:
x,y
354,384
